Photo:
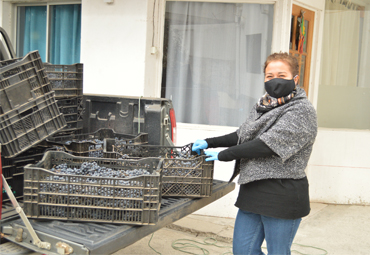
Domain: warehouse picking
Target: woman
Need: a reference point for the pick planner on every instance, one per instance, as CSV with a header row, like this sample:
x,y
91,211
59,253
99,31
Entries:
x,y
271,149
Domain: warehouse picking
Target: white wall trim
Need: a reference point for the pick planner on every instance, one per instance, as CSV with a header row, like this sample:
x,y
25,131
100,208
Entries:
x,y
313,93
281,29
365,49
229,1
153,61
1,11
345,130
312,5
6,19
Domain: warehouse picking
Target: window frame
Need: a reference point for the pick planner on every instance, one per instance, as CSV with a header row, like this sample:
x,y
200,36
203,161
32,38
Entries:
x,y
228,103
281,25
38,3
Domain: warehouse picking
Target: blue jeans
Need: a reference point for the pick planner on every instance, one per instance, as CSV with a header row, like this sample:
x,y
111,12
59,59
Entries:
x,y
251,229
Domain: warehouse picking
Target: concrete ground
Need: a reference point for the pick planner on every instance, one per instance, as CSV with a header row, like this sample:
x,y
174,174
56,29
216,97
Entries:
x,y
335,229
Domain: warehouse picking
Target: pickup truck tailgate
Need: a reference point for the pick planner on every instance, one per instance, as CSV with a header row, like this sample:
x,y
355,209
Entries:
x,y
95,238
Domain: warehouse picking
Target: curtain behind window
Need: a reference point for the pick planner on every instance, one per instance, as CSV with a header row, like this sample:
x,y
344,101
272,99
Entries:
x,y
32,30
214,58
65,34
339,66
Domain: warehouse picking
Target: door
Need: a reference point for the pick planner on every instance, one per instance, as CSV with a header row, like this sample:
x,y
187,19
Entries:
x,y
302,25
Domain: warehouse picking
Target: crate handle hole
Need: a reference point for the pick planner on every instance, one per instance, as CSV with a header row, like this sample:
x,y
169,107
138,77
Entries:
x,y
25,113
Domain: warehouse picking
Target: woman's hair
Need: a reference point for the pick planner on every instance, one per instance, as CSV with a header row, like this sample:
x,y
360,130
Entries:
x,y
286,58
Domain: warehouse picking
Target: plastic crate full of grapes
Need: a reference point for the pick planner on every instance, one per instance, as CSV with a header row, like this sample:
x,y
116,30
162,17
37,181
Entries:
x,y
65,187
185,173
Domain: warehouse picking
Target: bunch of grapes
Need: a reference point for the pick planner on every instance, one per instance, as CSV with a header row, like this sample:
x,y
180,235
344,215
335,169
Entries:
x,y
94,170
97,141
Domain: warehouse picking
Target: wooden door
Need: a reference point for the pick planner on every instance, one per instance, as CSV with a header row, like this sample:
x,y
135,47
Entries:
x,y
302,25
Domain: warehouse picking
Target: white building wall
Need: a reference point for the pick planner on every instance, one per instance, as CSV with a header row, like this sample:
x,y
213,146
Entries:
x,y
339,168
113,46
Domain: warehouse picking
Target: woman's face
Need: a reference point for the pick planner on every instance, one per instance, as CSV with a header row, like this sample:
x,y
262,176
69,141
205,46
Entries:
x,y
279,69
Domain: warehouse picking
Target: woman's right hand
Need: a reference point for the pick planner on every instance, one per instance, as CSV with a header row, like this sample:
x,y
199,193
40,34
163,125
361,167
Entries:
x,y
199,145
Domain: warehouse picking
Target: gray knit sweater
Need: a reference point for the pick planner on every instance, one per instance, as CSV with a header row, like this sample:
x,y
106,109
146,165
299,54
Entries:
x,y
289,130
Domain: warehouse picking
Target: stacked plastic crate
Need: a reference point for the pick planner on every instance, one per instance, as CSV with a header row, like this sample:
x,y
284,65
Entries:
x,y
28,114
77,183
185,173
67,82
28,111
81,184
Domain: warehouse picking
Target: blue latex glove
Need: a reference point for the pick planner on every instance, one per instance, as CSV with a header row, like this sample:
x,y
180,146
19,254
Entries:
x,y
199,145
212,155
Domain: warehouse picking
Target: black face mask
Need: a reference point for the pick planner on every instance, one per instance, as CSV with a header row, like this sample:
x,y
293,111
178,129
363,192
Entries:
x,y
279,87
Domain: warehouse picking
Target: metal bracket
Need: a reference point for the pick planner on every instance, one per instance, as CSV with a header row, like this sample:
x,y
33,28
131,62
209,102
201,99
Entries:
x,y
19,237
64,248
19,210
165,121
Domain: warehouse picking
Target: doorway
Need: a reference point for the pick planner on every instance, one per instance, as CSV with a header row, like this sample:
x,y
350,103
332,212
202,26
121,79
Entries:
x,y
302,25
213,58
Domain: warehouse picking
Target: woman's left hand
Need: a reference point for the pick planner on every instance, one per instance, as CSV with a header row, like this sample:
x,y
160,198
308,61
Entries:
x,y
212,155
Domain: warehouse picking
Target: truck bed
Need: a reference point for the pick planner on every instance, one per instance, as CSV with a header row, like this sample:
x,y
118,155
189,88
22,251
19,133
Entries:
x,y
95,238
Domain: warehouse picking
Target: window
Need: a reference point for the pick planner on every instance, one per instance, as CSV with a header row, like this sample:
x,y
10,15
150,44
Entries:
x,y
213,59
344,89
53,30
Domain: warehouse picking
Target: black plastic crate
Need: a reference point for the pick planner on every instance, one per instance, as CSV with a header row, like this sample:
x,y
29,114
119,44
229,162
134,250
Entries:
x,y
91,144
185,173
29,124
65,80
22,80
72,109
13,169
131,200
129,115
